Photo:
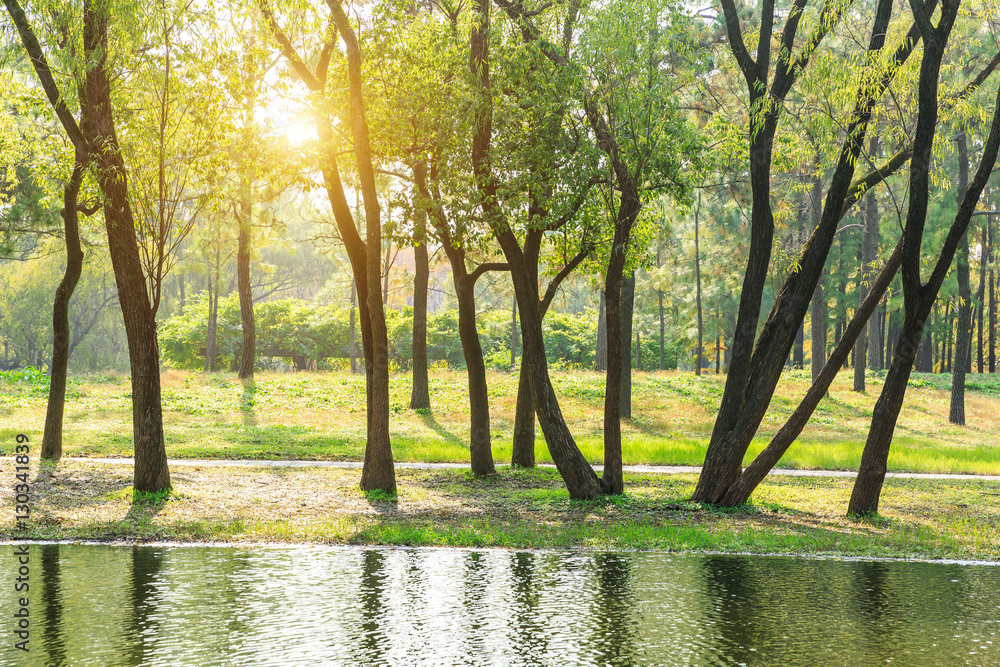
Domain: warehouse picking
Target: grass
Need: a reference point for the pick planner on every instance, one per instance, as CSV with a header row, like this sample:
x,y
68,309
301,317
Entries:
x,y
322,416
82,500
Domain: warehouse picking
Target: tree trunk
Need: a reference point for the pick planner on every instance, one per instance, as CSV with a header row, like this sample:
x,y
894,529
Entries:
x,y
513,334
52,435
663,365
818,308
697,275
627,308
420,398
523,454
798,348
981,295
352,336
479,405
248,349
579,477
869,250
601,353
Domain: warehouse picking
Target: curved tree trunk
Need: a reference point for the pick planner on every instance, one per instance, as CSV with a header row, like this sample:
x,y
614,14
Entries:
x,y
52,436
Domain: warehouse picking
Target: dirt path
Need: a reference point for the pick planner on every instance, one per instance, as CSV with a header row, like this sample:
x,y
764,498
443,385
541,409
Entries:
x,y
641,469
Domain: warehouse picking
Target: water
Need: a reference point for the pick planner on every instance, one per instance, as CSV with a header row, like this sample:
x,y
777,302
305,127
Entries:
x,y
108,606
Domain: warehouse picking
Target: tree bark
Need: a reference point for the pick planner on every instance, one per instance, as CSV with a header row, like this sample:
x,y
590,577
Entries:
x,y
627,311
420,395
52,435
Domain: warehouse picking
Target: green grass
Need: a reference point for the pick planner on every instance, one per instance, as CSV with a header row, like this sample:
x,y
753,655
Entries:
x,y
78,500
321,416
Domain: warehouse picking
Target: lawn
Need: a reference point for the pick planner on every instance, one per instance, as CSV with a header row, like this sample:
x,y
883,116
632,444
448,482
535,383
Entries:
x,y
84,500
321,416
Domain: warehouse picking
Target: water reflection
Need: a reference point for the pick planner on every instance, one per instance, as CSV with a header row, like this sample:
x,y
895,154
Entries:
x,y
612,611
112,606
143,621
52,636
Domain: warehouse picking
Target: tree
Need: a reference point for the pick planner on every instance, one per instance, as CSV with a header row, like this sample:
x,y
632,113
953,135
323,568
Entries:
x,y
365,254
919,296
755,368
95,136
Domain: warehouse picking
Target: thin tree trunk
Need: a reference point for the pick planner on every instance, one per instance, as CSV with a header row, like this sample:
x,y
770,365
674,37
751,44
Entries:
x,y
981,295
818,308
627,309
659,294
869,249
248,349
353,341
601,353
513,334
697,274
52,435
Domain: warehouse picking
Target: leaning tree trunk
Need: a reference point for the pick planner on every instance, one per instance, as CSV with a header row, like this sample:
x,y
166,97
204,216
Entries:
x,y
956,413
52,436
420,395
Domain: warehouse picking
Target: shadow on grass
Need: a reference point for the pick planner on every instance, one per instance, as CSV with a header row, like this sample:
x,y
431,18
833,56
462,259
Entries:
x,y
248,403
428,419
145,506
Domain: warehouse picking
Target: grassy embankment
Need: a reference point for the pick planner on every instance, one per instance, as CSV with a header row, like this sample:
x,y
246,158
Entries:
x,y
321,416
81,500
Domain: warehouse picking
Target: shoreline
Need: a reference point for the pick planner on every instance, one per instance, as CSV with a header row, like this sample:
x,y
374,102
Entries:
x,y
89,501
568,550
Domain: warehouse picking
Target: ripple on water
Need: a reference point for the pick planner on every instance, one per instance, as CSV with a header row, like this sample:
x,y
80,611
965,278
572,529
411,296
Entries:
x,y
215,606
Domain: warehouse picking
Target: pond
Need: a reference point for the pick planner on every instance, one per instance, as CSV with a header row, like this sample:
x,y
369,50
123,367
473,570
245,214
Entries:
x,y
181,605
